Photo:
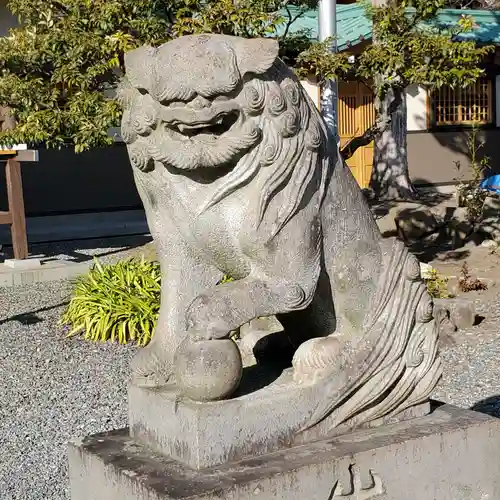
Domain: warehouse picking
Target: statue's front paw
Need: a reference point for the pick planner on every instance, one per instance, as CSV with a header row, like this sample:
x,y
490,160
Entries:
x,y
214,330
150,369
205,320
317,358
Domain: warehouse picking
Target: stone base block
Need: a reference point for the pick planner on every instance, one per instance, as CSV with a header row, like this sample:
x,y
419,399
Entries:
x,y
203,435
451,454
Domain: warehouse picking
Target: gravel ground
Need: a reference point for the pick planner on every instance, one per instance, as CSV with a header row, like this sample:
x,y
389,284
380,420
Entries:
x,y
471,377
55,389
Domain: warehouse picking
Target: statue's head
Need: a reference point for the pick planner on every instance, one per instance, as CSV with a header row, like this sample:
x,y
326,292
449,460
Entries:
x,y
205,101
188,102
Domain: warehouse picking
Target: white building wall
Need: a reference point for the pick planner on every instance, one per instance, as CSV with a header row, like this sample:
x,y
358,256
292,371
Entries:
x,y
313,91
416,101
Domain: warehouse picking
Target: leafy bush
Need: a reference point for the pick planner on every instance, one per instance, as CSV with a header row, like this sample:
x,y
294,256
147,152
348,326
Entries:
x,y
118,302
437,285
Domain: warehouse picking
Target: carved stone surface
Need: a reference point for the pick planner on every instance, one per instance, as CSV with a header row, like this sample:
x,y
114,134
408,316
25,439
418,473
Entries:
x,y
451,454
211,434
208,370
254,337
358,483
239,176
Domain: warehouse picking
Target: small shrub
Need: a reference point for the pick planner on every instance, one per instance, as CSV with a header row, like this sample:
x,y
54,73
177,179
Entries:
x,y
467,283
118,302
469,193
437,285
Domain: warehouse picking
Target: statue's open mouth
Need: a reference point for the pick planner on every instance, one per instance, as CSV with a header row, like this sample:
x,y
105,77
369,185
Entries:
x,y
190,136
217,127
211,122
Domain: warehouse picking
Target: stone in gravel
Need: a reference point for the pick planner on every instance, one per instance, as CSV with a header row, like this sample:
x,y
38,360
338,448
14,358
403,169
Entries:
x,y
459,227
489,244
490,227
446,327
447,331
492,206
461,311
413,224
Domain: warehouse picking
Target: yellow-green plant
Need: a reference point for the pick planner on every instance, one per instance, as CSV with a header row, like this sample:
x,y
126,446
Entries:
x,y
117,303
437,285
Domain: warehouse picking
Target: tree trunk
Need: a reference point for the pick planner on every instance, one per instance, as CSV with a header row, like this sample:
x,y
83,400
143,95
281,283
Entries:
x,y
390,177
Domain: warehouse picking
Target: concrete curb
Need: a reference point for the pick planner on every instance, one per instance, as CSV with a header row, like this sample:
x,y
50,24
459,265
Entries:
x,y
48,271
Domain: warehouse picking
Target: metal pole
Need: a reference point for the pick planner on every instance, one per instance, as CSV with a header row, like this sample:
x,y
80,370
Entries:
x,y
327,20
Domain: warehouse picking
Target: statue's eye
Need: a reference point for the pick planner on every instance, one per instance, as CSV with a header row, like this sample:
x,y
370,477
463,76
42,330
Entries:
x,y
142,91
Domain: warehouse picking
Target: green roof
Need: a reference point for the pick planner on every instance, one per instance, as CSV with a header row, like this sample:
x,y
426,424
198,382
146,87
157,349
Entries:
x,y
353,25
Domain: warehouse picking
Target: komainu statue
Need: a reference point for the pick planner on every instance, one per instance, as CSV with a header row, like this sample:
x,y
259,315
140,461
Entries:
x,y
239,177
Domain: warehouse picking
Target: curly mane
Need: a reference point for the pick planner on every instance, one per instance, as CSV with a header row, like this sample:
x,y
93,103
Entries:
x,y
292,147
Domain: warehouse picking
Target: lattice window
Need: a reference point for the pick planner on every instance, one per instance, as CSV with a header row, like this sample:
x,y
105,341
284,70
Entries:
x,y
463,106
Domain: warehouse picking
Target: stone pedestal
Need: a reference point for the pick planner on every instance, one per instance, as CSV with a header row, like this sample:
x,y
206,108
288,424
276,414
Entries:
x,y
450,454
203,435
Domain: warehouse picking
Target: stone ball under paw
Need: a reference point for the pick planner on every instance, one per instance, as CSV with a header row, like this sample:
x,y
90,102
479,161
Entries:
x,y
208,370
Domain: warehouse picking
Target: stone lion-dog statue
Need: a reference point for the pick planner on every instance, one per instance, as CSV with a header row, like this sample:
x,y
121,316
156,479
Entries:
x,y
239,176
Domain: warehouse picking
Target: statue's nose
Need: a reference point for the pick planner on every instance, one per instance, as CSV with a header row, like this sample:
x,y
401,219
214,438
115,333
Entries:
x,y
200,102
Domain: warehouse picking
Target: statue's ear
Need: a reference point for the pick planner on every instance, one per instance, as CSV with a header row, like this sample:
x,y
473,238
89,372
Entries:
x,y
139,67
256,55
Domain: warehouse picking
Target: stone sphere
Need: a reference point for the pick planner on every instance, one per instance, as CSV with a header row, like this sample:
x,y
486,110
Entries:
x,y
208,370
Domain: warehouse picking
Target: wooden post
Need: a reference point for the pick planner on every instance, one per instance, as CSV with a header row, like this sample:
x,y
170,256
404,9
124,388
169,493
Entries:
x,y
16,208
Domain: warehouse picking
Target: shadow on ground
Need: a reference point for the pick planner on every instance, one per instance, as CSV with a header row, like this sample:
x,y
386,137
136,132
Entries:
x,y
489,406
441,251
435,245
31,317
428,196
81,250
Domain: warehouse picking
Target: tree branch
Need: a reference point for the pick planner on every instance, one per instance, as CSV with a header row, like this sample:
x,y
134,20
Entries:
x,y
371,133
291,20
358,142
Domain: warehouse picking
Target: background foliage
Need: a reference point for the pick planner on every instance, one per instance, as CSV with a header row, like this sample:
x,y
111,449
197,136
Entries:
x,y
408,50
58,70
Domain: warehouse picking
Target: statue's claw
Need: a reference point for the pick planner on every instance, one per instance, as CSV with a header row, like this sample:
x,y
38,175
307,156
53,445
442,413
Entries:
x,y
215,330
149,369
